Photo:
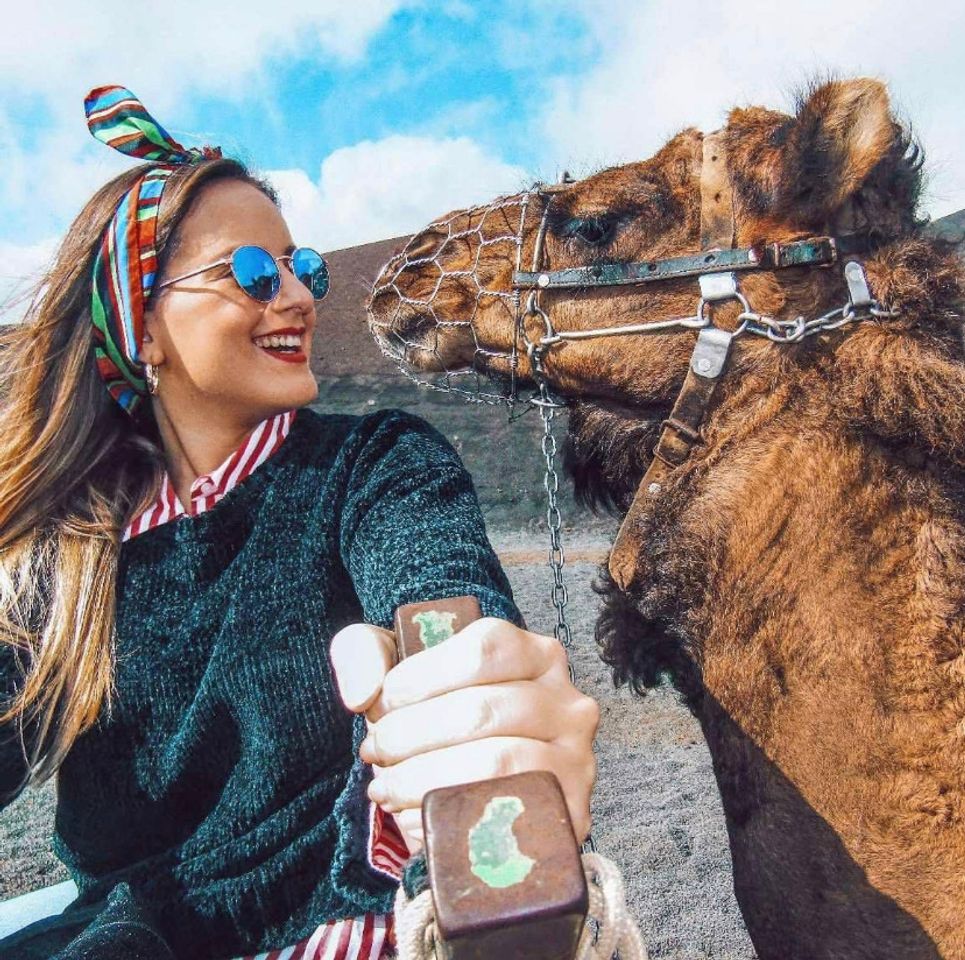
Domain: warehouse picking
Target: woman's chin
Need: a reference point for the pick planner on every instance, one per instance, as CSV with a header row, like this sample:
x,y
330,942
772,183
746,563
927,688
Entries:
x,y
295,398
310,394
280,399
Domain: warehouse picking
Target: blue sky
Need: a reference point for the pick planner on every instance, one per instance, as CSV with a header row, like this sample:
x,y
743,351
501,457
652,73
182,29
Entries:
x,y
373,116
442,70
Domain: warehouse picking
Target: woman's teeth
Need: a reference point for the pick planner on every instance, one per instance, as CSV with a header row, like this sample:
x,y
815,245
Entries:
x,y
276,342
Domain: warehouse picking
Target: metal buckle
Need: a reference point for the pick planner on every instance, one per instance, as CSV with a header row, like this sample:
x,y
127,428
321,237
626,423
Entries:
x,y
717,286
710,353
813,252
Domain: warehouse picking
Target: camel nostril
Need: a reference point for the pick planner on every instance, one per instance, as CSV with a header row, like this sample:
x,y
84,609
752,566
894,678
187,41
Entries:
x,y
414,327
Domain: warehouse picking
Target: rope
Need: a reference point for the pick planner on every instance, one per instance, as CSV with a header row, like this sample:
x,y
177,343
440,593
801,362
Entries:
x,y
616,931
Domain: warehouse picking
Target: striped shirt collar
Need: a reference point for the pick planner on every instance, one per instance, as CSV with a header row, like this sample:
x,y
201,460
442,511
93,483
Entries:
x,y
209,488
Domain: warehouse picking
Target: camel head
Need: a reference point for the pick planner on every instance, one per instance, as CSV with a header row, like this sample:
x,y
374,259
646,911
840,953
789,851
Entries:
x,y
451,303
446,303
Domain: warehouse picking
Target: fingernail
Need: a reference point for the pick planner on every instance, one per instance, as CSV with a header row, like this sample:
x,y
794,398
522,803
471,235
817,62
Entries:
x,y
366,749
355,689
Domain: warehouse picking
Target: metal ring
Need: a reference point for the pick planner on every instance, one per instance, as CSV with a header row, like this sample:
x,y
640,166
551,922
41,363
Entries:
x,y
737,295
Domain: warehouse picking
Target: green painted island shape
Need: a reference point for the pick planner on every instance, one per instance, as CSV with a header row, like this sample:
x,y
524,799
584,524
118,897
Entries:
x,y
494,855
434,626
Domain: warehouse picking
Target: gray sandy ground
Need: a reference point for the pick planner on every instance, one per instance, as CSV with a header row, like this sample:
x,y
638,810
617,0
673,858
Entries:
x,y
656,809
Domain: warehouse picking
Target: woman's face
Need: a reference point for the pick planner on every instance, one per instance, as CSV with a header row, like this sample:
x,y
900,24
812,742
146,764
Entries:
x,y
205,334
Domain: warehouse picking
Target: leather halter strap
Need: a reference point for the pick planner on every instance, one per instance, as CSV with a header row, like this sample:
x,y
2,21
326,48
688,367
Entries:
x,y
681,430
812,252
717,253
716,199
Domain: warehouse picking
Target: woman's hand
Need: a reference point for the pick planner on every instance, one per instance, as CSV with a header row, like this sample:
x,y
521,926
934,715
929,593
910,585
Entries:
x,y
490,701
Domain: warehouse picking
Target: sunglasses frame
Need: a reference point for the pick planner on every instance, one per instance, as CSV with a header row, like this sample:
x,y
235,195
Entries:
x,y
229,261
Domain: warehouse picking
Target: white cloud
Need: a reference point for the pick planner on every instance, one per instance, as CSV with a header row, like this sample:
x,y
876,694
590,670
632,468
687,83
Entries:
x,y
53,51
668,65
21,267
386,188
59,48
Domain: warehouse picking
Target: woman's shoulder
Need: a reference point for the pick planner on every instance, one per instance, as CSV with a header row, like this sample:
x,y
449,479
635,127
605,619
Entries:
x,y
381,433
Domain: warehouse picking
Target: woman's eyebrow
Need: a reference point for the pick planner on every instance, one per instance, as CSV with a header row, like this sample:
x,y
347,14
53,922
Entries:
x,y
224,254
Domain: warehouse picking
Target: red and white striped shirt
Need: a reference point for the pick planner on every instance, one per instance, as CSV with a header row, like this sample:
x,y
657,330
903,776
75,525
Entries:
x,y
209,488
368,937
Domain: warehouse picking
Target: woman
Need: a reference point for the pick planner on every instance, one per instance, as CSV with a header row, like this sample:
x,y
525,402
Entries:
x,y
178,548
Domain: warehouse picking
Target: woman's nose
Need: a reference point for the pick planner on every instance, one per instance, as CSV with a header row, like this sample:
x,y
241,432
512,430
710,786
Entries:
x,y
293,294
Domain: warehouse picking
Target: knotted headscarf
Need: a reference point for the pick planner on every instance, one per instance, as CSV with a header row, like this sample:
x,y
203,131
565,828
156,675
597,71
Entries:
x,y
126,263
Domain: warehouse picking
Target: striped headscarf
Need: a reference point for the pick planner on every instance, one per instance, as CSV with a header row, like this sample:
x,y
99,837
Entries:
x,y
126,262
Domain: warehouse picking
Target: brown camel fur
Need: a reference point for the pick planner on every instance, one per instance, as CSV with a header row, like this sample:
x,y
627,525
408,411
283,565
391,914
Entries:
x,y
803,577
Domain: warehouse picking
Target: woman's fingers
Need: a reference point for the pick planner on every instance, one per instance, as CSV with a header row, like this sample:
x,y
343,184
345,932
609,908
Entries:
x,y
404,785
487,651
490,701
409,823
362,656
517,709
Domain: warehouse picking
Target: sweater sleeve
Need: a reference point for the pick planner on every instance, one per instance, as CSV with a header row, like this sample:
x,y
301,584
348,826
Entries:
x,y
411,530
411,527
13,756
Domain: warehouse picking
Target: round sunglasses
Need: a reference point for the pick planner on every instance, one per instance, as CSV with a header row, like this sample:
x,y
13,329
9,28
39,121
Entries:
x,y
256,271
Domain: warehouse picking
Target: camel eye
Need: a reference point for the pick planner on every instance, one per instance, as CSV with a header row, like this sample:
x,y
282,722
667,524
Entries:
x,y
591,230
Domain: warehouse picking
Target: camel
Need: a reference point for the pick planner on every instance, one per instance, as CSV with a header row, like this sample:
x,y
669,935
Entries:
x,y
797,567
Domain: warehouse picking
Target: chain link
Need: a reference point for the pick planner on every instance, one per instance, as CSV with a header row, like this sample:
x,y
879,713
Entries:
x,y
794,331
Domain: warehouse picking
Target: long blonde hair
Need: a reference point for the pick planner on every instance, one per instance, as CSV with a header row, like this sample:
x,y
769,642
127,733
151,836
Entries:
x,y
74,469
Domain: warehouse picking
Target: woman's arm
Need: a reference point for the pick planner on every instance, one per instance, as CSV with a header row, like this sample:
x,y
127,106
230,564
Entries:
x,y
491,700
411,527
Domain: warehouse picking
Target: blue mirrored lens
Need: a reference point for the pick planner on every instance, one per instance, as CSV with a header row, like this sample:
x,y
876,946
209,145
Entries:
x,y
311,269
256,273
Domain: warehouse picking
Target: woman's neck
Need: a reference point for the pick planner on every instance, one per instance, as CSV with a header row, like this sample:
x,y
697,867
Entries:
x,y
196,446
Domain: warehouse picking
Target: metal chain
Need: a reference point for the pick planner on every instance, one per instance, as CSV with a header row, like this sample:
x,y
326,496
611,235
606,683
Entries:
x,y
794,331
554,521
557,559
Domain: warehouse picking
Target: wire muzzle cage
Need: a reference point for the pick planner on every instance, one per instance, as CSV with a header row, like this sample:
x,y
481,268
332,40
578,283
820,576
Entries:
x,y
490,232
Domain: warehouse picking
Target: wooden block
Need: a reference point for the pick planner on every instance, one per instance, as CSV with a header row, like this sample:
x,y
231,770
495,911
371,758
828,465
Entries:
x,y
419,626
505,870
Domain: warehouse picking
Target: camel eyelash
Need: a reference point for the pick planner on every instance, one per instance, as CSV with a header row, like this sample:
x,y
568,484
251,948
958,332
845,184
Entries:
x,y
592,230
596,229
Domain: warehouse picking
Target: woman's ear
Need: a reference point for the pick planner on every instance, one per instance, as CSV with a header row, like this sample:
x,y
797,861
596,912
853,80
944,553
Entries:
x,y
150,350
841,132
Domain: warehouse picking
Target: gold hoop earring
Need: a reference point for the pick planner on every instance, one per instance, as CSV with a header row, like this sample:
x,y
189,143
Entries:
x,y
150,374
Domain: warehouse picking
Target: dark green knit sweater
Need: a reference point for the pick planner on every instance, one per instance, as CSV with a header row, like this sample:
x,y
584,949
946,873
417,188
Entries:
x,y
224,787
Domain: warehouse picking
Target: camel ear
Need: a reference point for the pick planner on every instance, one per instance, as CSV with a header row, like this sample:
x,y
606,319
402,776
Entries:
x,y
842,131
